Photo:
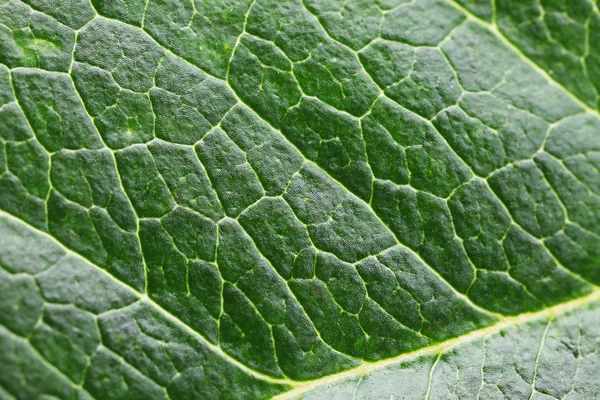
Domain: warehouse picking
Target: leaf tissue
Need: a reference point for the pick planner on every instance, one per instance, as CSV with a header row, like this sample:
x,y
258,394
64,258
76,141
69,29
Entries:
x,y
301,199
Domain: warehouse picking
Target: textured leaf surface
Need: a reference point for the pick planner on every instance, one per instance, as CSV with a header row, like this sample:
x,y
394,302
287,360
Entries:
x,y
244,199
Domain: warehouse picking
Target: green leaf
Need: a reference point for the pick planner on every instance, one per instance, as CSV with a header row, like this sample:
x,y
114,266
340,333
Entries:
x,y
299,199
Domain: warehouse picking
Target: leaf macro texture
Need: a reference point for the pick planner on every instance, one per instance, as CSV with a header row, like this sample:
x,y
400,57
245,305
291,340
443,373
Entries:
x,y
308,199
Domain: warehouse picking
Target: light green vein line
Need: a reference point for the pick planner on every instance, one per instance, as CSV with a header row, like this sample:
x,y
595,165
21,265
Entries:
x,y
430,377
537,357
482,369
4,392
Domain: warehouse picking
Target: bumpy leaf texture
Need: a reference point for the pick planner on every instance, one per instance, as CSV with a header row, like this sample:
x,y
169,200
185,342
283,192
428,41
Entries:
x,y
365,199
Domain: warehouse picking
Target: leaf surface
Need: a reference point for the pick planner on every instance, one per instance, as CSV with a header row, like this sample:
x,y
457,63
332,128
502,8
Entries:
x,y
307,199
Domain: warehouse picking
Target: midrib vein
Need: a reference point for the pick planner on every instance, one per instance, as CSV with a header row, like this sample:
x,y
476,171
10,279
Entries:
x,y
493,27
505,323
